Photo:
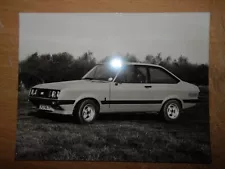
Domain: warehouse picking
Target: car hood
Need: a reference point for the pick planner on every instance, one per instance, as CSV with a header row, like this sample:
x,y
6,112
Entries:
x,y
68,84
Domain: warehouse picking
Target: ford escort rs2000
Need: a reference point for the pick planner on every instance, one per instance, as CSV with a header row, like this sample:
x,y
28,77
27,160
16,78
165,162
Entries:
x,y
117,87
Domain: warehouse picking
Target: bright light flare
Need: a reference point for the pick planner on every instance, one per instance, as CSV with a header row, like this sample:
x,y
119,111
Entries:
x,y
116,63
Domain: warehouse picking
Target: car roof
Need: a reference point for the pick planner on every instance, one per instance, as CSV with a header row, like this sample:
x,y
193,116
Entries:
x,y
141,64
145,64
137,63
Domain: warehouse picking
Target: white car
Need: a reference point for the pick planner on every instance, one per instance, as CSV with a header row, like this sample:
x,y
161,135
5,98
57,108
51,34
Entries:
x,y
117,87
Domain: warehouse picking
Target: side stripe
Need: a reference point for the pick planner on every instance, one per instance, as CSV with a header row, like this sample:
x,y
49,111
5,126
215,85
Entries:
x,y
191,101
143,101
131,102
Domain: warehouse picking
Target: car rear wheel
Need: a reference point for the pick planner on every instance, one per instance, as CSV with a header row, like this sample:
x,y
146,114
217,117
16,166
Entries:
x,y
171,111
86,112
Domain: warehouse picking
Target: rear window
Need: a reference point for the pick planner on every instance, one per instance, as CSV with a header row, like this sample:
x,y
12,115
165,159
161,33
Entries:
x,y
159,75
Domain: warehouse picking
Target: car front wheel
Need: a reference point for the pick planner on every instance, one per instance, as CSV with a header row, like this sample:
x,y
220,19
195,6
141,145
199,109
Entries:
x,y
86,112
171,110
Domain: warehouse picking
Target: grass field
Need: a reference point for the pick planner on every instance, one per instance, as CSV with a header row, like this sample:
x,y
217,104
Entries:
x,y
143,138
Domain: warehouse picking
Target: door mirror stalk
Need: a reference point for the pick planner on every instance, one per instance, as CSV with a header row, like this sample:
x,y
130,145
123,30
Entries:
x,y
116,83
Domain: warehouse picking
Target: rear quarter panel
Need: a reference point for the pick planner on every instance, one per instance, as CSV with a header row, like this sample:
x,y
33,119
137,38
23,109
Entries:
x,y
183,93
179,91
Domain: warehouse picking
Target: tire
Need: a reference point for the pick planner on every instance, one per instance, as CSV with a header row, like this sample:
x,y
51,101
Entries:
x,y
171,111
86,112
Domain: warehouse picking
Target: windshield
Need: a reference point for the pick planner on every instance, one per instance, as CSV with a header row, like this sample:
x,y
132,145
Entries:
x,y
101,72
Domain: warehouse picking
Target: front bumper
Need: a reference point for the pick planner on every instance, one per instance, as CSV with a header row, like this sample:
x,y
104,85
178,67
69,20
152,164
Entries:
x,y
58,106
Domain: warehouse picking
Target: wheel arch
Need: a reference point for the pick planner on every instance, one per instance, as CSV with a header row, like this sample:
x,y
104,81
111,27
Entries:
x,y
81,99
172,98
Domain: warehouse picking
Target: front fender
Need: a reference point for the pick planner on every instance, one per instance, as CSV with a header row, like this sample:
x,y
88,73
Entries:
x,y
97,91
86,96
77,95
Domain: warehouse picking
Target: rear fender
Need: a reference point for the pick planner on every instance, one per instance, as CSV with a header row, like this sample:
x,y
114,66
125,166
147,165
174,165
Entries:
x,y
172,97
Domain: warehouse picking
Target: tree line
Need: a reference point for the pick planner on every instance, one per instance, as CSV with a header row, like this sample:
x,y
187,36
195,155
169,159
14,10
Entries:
x,y
63,66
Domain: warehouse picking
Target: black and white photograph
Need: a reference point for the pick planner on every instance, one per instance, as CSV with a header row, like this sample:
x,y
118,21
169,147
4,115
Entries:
x,y
114,87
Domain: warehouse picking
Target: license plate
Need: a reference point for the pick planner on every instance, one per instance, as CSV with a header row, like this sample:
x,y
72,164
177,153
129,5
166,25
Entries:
x,y
45,107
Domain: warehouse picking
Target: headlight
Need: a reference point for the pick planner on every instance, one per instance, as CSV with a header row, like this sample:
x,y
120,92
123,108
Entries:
x,y
30,91
53,93
33,92
58,92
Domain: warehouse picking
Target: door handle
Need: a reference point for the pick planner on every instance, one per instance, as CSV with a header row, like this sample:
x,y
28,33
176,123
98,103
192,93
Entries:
x,y
148,86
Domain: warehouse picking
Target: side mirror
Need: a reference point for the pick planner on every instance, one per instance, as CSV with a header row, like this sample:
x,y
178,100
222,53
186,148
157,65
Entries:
x,y
110,79
118,80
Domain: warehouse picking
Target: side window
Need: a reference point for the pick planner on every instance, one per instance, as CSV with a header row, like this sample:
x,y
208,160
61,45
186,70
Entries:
x,y
158,75
133,74
142,75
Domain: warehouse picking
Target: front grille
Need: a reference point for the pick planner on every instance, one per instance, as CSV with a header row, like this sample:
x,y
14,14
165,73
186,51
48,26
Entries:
x,y
43,93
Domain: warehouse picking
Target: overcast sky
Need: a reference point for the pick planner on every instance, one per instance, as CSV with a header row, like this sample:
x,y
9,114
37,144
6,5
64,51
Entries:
x,y
107,34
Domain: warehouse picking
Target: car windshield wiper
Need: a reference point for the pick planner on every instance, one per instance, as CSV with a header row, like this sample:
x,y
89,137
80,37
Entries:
x,y
98,79
101,79
88,78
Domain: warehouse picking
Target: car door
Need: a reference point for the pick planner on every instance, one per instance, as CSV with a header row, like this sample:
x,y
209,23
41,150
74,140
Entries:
x,y
129,91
